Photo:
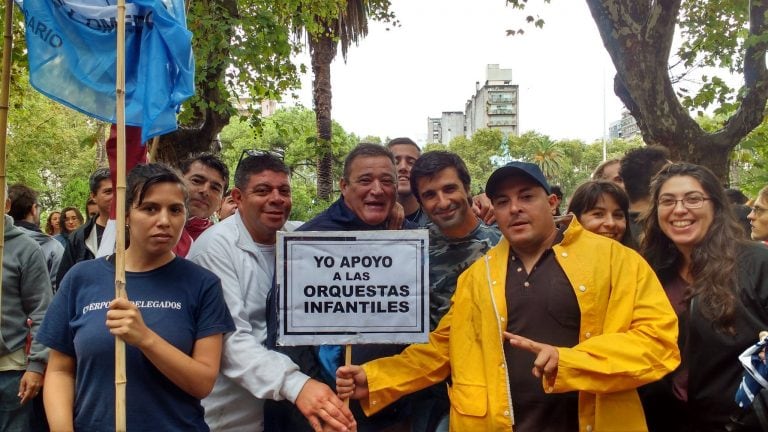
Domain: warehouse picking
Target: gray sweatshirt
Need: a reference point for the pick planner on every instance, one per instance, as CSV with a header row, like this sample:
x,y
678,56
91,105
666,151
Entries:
x,y
26,294
52,248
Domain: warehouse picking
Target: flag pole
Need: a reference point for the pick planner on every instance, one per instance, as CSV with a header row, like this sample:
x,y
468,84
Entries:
x,y
153,149
347,362
120,375
4,97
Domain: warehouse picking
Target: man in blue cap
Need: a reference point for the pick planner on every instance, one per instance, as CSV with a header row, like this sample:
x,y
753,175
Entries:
x,y
552,329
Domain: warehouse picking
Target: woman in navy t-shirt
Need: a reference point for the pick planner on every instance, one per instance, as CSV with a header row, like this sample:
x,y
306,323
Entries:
x,y
173,324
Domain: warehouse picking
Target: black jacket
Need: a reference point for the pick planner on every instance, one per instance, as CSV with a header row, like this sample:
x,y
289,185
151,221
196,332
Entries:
x,y
75,250
711,356
284,416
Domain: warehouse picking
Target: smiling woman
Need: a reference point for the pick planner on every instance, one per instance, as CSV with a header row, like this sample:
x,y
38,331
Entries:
x,y
172,326
715,281
601,206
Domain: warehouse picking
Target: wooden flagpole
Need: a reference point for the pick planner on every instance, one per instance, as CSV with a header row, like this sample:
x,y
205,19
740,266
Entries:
x,y
4,98
120,292
152,156
347,362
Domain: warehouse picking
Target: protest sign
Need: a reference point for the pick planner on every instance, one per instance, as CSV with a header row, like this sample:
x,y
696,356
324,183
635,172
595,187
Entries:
x,y
352,287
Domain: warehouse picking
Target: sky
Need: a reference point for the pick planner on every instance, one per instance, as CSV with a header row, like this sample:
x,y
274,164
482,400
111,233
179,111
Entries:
x,y
395,79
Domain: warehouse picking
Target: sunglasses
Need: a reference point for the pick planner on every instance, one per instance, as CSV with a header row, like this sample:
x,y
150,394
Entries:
x,y
258,152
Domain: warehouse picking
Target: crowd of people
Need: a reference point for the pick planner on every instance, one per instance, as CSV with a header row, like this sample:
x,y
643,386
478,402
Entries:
x,y
628,312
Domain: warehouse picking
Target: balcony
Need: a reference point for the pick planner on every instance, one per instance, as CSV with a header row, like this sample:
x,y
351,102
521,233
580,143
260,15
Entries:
x,y
503,122
501,111
500,99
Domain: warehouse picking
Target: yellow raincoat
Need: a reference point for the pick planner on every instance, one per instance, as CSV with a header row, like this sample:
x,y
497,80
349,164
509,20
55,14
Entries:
x,y
628,337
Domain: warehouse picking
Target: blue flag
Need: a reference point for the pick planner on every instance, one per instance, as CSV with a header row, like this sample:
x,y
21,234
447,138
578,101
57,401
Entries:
x,y
72,58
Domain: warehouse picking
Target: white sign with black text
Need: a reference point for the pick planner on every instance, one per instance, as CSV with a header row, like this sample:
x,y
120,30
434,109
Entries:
x,y
352,287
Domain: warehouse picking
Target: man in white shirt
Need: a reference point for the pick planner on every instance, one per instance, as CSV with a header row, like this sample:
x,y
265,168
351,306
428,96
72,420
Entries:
x,y
241,251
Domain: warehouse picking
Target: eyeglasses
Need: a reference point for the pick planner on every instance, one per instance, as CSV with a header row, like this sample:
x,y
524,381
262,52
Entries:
x,y
689,202
258,152
757,210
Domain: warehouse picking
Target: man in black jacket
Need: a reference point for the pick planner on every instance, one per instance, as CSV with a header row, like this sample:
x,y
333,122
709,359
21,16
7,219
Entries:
x,y
84,242
368,194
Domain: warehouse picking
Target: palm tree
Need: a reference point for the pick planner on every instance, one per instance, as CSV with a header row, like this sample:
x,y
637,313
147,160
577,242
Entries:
x,y
547,156
345,28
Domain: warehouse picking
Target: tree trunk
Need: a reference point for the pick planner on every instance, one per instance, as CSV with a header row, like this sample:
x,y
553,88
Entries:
x,y
323,50
638,37
212,109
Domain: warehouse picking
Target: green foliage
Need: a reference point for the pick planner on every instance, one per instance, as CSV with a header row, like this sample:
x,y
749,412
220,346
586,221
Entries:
x,y
567,163
714,34
50,148
74,194
536,21
749,162
254,41
248,39
435,147
479,154
289,132
19,51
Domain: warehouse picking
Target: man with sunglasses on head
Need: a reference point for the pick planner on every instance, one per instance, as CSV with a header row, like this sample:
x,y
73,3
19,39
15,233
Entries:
x,y
241,251
206,177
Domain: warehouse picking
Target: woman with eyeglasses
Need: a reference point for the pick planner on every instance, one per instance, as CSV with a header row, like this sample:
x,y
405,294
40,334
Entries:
x,y
70,220
718,284
758,217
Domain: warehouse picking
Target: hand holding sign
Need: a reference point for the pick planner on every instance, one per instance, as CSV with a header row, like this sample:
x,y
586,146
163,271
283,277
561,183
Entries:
x,y
547,356
351,381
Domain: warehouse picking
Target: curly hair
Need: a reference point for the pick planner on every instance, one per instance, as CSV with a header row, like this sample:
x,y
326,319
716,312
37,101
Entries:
x,y
49,223
713,260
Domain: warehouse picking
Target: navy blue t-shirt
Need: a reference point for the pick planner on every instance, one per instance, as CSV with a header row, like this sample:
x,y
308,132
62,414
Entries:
x,y
180,301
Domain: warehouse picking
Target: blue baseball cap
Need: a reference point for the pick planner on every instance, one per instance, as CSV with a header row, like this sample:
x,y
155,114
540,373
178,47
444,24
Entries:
x,y
515,168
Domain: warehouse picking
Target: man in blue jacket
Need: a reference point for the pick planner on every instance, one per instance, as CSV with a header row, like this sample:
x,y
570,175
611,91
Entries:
x,y
368,195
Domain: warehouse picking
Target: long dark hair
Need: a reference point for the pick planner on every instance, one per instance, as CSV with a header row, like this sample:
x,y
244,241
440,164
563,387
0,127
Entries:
x,y
49,223
713,260
589,193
